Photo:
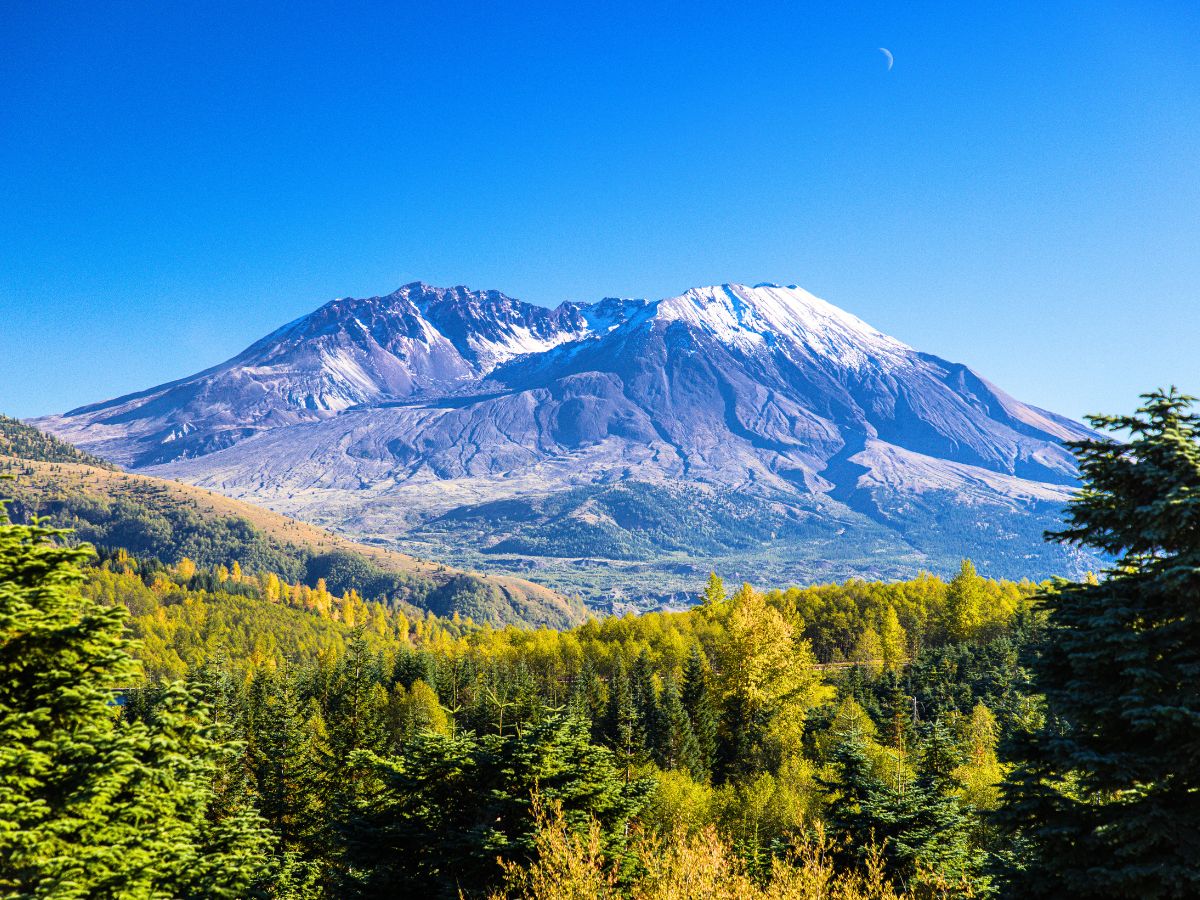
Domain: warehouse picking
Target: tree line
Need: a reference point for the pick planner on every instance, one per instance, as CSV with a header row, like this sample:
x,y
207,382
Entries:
x,y
976,738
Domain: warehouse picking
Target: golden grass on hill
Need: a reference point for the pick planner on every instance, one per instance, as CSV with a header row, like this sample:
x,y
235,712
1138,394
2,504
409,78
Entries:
x,y
43,481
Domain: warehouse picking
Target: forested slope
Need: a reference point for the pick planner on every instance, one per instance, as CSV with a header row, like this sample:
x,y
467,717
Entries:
x,y
154,518
25,442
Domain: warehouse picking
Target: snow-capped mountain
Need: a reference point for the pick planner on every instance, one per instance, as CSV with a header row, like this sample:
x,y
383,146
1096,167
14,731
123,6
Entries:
x,y
760,428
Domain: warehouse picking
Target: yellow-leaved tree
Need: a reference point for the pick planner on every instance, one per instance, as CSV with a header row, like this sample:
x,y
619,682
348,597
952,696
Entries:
x,y
766,679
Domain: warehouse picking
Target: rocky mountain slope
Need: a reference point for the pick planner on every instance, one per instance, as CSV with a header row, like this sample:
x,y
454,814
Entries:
x,y
625,445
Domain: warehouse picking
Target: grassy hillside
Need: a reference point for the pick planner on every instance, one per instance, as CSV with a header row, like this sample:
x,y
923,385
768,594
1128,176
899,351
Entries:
x,y
154,518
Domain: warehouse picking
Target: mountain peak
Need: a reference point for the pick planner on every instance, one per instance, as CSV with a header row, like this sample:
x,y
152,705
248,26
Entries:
x,y
770,315
435,409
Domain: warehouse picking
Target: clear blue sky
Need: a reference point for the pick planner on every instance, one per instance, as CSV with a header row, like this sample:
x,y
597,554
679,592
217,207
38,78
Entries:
x,y
1020,193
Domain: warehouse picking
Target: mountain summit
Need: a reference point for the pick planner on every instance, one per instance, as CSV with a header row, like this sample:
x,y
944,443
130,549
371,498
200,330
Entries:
x,y
626,443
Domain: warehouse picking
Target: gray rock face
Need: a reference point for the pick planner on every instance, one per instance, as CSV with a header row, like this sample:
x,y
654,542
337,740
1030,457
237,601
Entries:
x,y
472,425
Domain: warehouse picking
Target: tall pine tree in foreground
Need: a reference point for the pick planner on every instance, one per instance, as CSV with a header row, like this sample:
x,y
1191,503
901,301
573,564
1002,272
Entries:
x,y
1106,797
93,805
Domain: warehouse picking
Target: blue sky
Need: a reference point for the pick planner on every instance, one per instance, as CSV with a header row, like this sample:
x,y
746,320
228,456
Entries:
x,y
1020,193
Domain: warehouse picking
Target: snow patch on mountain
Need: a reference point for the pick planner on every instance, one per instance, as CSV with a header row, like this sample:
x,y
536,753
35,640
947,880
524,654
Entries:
x,y
765,315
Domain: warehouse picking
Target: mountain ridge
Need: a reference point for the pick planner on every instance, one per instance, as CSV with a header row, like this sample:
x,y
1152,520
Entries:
x,y
384,415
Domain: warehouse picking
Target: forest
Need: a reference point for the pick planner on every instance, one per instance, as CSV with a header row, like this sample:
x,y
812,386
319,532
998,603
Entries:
x,y
205,729
160,524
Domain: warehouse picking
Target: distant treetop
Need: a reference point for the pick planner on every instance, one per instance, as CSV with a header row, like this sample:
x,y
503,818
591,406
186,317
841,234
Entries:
x,y
25,442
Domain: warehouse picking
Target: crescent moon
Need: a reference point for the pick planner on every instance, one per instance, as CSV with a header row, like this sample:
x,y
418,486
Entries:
x,y
888,53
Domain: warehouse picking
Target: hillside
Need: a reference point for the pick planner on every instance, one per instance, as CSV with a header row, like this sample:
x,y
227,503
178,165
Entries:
x,y
151,517
23,442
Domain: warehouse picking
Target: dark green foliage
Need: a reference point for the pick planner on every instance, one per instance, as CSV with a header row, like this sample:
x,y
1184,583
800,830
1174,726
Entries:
x,y
345,571
93,805
1106,797
26,442
675,744
440,814
622,721
146,526
953,678
644,692
897,714
919,824
468,596
697,699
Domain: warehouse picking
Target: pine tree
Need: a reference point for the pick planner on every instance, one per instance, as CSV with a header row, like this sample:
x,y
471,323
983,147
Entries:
x,y
918,823
450,806
587,698
1107,795
645,699
621,722
697,699
675,745
358,703
93,805
899,712
280,759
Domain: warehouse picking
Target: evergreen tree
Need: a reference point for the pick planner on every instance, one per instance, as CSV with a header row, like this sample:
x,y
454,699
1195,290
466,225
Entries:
x,y
358,703
621,721
675,745
1106,795
285,766
898,709
93,805
587,699
919,825
644,691
447,808
697,699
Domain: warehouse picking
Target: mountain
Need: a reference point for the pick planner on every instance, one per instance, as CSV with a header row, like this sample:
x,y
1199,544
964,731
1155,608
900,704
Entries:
x,y
623,447
167,520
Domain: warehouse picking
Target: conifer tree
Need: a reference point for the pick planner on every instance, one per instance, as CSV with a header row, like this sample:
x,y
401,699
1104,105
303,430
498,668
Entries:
x,y
698,701
675,745
587,698
898,707
91,805
281,760
919,824
450,805
621,722
645,698
1107,794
